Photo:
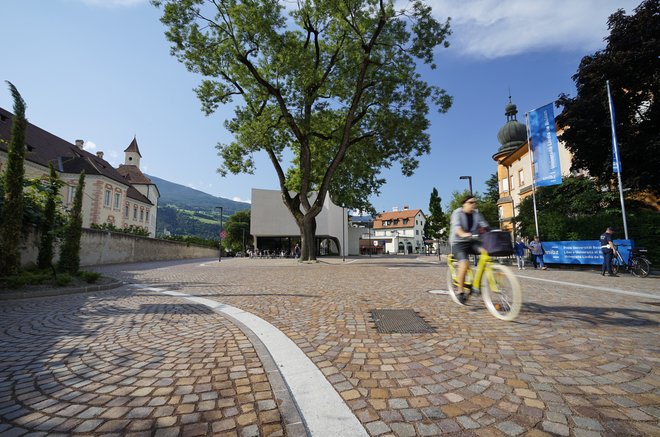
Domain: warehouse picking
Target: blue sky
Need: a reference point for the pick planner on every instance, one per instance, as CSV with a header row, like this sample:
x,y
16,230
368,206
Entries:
x,y
100,70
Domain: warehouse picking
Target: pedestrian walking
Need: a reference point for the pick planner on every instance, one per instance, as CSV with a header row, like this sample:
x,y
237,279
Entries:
x,y
296,252
537,251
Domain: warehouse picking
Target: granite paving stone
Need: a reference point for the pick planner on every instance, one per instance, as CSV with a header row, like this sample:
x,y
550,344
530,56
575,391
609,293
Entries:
x,y
578,361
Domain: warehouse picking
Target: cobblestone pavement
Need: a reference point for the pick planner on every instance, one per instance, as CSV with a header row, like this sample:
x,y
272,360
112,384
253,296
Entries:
x,y
577,362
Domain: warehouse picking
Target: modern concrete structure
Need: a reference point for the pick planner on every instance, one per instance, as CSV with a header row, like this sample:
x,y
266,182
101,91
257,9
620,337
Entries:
x,y
275,230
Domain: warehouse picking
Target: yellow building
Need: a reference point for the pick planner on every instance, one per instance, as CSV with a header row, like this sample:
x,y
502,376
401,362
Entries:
x,y
514,166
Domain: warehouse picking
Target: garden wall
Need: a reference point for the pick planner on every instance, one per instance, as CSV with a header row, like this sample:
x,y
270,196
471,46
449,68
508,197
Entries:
x,y
104,247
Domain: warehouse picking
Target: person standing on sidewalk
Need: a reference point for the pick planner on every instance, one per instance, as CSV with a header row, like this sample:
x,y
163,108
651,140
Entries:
x,y
519,252
536,249
608,249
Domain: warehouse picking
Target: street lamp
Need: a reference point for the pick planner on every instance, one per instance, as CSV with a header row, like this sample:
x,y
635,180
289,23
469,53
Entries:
x,y
343,234
469,178
220,235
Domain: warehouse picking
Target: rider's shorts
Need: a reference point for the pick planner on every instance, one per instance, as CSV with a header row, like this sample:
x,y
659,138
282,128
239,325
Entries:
x,y
461,249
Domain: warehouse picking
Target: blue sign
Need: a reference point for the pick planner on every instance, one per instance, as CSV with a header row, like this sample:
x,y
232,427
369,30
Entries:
x,y
580,252
545,149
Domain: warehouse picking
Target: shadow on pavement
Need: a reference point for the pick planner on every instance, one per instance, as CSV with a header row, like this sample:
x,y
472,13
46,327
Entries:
x,y
596,315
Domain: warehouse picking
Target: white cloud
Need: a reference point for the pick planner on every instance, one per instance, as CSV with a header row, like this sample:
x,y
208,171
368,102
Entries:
x,y
495,28
115,3
238,199
89,146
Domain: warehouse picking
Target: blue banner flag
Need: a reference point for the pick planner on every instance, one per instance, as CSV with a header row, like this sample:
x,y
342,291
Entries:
x,y
545,149
616,160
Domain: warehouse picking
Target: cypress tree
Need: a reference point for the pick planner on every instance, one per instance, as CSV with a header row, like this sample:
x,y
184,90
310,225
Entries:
x,y
12,212
70,252
48,222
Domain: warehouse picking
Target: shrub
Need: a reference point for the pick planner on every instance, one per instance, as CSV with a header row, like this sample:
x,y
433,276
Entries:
x,y
63,279
89,277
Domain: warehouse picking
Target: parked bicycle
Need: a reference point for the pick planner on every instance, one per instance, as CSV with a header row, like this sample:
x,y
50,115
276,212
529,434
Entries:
x,y
637,262
500,289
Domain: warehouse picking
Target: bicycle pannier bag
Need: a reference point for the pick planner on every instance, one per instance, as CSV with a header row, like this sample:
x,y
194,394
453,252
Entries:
x,y
498,243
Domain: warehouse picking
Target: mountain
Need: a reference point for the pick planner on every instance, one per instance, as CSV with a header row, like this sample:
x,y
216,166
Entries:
x,y
185,211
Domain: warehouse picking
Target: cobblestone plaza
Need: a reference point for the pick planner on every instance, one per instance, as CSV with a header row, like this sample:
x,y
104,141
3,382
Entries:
x,y
580,360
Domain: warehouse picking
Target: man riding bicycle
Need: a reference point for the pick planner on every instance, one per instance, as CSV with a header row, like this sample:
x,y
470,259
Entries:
x,y
466,221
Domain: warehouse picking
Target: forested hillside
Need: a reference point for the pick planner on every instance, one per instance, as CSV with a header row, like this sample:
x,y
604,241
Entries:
x,y
186,211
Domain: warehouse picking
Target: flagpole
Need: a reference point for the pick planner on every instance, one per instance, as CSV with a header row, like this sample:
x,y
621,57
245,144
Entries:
x,y
616,158
531,161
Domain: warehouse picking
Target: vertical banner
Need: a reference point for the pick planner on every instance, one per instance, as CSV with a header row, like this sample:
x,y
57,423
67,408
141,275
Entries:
x,y
545,149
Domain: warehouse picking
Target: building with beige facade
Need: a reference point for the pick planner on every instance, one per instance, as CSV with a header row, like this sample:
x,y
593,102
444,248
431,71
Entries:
x,y
514,166
122,197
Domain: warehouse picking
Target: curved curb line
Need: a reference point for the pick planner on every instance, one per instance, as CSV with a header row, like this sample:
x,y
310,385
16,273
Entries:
x,y
59,292
324,412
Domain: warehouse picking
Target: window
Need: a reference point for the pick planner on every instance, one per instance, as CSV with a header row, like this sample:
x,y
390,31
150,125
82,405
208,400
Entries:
x,y
108,196
135,212
416,231
117,200
521,177
512,184
505,185
71,194
405,221
141,214
147,217
500,212
126,211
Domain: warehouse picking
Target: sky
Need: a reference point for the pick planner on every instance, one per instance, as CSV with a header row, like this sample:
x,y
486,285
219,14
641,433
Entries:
x,y
101,71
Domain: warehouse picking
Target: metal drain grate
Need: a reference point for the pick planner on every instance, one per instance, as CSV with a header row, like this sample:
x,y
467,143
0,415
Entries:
x,y
400,322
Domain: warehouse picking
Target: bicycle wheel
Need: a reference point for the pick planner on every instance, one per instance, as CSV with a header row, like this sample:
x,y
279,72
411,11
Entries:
x,y
616,265
501,292
641,267
452,284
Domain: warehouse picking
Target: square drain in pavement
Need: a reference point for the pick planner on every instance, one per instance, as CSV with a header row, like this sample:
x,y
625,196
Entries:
x,y
400,322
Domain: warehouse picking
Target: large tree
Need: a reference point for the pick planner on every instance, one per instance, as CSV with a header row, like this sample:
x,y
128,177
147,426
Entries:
x,y
12,209
330,93
238,232
630,63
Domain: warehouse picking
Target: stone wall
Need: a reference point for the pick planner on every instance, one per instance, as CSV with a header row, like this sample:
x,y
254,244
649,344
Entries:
x,y
103,247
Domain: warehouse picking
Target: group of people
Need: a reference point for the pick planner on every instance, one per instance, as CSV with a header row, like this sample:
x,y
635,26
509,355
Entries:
x,y
536,251
467,221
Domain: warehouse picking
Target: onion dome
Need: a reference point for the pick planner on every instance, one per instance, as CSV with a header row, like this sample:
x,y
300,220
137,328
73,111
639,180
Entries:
x,y
513,134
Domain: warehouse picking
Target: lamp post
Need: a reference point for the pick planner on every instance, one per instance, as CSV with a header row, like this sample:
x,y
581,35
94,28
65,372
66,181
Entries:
x,y
343,234
469,178
220,235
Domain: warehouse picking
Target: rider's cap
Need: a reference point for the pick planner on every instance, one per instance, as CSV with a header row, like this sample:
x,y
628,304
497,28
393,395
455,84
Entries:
x,y
610,228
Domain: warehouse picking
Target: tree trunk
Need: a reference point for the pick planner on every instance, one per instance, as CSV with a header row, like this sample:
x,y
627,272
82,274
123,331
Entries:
x,y
308,239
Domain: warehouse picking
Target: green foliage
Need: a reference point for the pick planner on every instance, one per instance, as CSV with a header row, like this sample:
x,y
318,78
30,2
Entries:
x,y
70,250
89,277
183,222
23,278
578,210
132,229
334,88
630,63
63,279
492,189
190,239
238,232
48,229
436,220
12,211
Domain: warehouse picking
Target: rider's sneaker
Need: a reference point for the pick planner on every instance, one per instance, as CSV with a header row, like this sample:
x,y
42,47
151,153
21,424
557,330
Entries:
x,y
462,298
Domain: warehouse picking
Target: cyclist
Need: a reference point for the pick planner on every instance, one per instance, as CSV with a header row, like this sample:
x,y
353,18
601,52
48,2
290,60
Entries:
x,y
608,249
465,222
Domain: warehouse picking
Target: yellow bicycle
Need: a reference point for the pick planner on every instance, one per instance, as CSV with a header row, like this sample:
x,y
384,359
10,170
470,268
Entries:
x,y
499,287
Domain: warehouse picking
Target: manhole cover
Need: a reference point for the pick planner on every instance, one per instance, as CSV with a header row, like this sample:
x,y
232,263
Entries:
x,y
400,322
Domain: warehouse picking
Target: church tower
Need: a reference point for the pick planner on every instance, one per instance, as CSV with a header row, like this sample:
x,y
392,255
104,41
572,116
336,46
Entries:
x,y
132,154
